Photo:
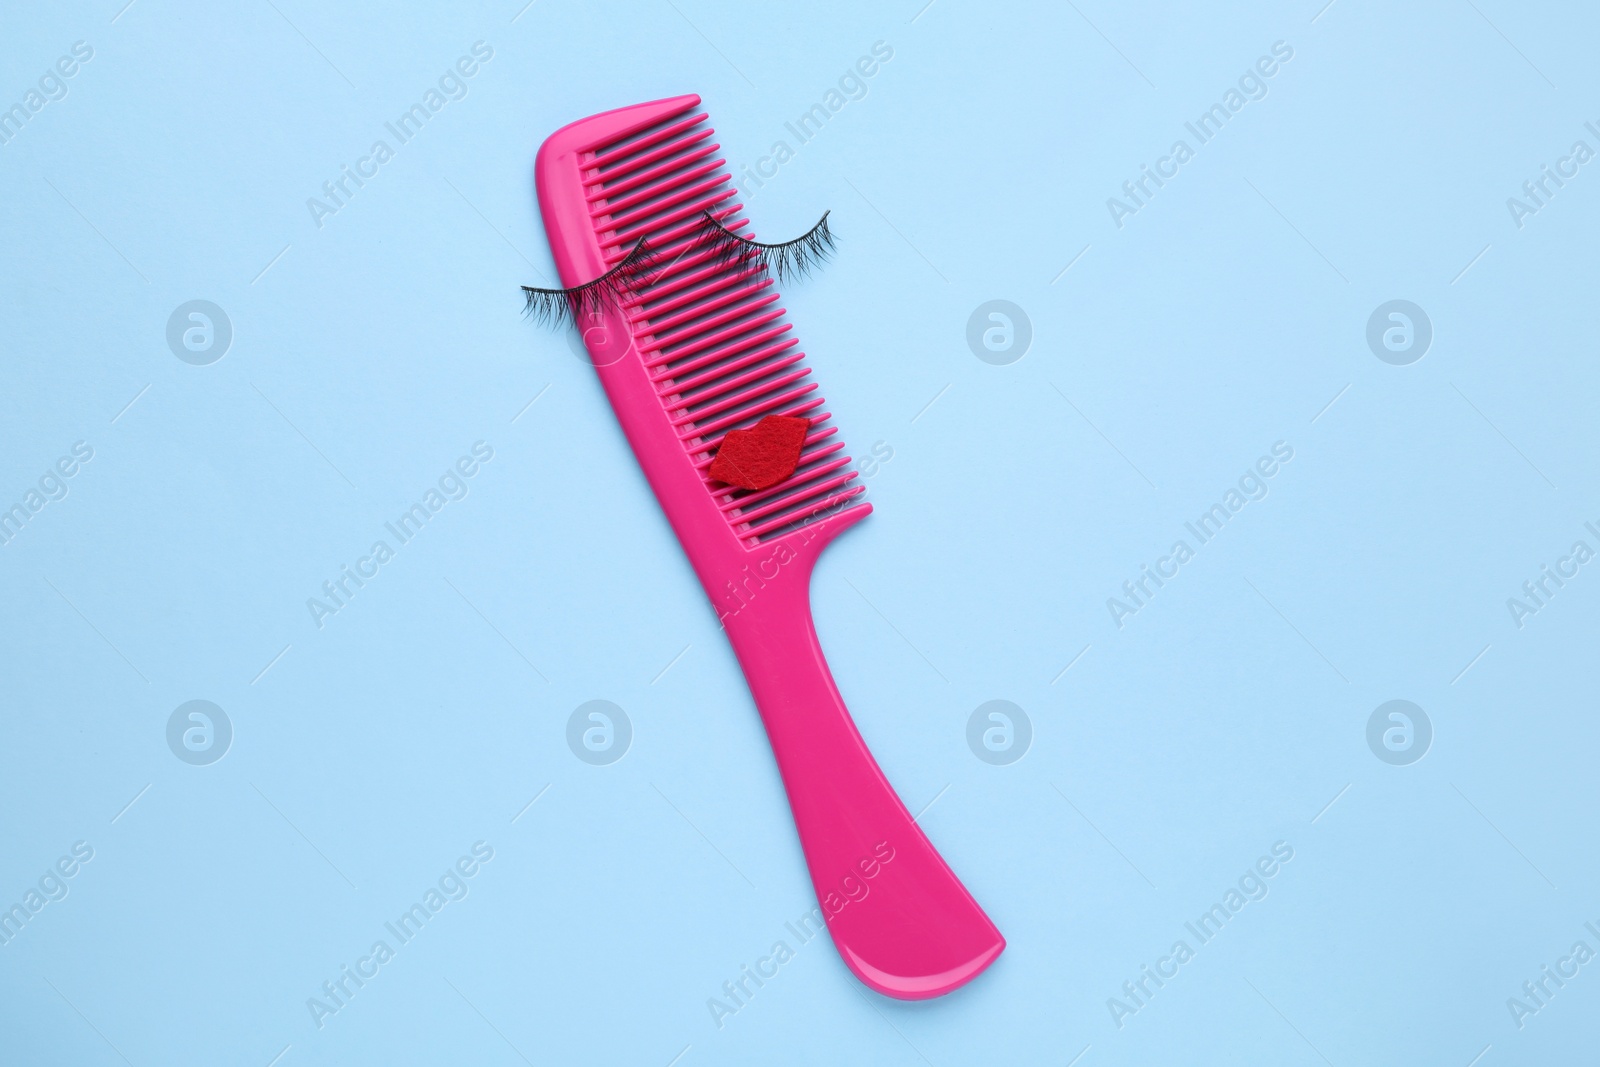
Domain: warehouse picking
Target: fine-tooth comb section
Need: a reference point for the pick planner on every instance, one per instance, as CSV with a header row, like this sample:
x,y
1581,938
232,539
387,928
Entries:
x,y
714,340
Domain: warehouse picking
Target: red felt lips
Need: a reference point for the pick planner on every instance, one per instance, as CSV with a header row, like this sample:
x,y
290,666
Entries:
x,y
763,455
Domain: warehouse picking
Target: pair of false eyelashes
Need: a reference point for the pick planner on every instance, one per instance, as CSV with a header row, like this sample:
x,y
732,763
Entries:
x,y
641,267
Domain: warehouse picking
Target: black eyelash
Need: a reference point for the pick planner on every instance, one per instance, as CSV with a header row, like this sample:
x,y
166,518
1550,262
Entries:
x,y
562,307
784,260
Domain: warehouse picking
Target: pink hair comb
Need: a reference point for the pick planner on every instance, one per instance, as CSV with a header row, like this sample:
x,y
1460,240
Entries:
x,y
700,351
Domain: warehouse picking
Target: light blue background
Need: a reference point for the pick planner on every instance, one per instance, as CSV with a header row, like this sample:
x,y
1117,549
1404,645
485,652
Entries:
x,y
370,353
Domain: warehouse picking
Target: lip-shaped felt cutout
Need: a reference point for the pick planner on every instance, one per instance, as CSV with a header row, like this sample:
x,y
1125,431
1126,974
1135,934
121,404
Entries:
x,y
763,455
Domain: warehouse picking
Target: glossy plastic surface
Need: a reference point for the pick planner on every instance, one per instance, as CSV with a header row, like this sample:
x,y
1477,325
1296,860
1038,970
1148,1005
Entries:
x,y
900,918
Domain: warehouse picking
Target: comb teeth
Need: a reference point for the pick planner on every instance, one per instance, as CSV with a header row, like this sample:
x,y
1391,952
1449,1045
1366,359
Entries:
x,y
715,343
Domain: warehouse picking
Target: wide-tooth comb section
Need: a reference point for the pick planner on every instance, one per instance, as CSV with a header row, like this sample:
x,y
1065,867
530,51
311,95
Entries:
x,y
688,386
626,152
711,334
714,305
646,174
682,370
716,343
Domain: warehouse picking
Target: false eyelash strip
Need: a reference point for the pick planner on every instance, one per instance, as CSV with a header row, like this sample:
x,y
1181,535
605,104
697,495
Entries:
x,y
563,307
783,260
